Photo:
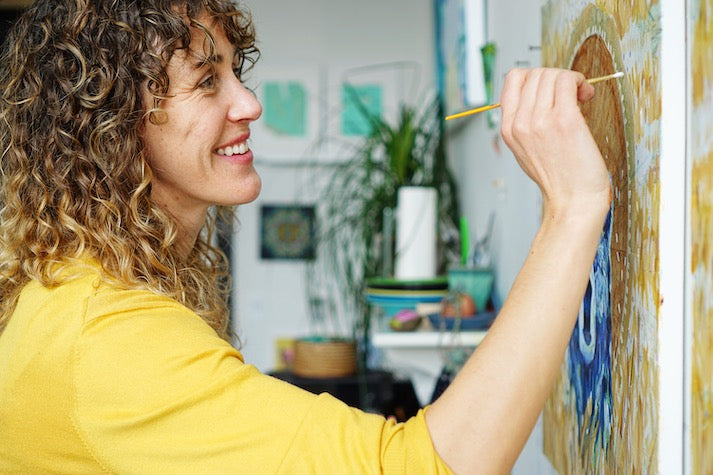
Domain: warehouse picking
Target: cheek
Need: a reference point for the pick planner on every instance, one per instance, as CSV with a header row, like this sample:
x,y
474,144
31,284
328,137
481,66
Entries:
x,y
169,138
185,131
196,135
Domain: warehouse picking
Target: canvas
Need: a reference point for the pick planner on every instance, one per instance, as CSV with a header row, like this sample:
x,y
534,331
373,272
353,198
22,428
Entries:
x,y
460,32
701,212
602,415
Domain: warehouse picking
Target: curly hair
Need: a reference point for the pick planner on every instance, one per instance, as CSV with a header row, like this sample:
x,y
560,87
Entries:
x,y
74,178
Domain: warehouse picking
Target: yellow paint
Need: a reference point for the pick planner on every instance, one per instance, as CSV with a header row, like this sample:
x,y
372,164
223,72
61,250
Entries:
x,y
701,239
702,51
702,350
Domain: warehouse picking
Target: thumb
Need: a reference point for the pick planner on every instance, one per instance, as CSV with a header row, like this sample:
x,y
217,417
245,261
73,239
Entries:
x,y
585,91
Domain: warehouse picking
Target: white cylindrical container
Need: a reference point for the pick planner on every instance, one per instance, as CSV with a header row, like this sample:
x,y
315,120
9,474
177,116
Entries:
x,y
416,226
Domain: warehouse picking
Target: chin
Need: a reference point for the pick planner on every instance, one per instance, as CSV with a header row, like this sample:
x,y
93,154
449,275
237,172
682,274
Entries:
x,y
257,186
247,193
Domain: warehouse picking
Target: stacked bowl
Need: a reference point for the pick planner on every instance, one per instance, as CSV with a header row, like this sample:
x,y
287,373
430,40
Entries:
x,y
393,295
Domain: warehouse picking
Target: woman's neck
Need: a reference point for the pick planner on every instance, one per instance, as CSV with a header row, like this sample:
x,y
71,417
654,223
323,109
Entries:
x,y
189,220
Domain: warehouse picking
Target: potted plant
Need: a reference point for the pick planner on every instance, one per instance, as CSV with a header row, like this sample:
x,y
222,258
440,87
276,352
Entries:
x,y
356,228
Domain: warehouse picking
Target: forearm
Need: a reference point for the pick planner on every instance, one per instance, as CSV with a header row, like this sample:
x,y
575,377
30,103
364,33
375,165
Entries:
x,y
484,418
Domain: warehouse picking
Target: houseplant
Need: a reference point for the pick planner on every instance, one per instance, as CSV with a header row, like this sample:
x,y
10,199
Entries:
x,y
355,211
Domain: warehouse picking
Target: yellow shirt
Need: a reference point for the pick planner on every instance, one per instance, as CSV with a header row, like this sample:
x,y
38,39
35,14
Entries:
x,y
95,378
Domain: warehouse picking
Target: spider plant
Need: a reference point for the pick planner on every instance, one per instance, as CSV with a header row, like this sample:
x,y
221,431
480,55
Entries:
x,y
356,205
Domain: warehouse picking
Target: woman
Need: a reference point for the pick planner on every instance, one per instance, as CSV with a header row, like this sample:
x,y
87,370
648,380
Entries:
x,y
123,124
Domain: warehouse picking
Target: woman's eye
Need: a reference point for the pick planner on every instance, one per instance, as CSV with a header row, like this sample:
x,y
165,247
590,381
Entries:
x,y
207,83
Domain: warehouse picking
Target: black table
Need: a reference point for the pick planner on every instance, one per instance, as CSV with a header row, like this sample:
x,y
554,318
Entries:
x,y
372,391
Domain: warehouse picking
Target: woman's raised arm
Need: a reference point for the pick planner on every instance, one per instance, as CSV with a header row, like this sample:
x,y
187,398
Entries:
x,y
482,421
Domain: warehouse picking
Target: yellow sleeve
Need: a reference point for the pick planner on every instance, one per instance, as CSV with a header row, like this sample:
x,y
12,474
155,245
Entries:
x,y
158,392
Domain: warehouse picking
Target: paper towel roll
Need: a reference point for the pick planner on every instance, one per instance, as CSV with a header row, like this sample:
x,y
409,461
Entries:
x,y
416,223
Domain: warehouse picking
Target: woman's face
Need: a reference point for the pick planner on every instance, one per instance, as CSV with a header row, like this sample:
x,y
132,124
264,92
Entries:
x,y
199,152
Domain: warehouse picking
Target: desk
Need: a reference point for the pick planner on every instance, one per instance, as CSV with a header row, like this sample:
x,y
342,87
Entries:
x,y
419,356
373,391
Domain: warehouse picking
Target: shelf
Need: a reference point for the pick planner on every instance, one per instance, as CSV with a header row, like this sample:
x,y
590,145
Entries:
x,y
427,339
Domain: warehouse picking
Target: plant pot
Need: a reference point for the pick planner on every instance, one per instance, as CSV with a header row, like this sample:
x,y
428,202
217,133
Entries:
x,y
324,358
416,232
476,282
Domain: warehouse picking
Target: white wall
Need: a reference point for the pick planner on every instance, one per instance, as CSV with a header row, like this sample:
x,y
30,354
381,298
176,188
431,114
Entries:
x,y
321,34
312,41
494,183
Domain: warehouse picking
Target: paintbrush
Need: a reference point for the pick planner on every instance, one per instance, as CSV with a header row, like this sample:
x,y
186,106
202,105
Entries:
x,y
495,106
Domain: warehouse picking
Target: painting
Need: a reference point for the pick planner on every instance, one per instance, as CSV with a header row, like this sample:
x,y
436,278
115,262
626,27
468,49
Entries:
x,y
602,414
289,129
284,106
310,114
460,31
287,232
701,221
380,89
368,96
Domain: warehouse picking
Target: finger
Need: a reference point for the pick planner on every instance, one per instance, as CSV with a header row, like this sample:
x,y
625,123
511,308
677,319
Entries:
x,y
567,88
528,97
510,96
585,91
545,100
509,100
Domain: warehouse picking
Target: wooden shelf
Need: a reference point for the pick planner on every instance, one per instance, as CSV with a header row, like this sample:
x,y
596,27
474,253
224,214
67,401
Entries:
x,y
427,339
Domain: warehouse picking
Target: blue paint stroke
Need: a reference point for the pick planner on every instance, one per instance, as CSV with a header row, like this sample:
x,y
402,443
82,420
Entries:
x,y
589,355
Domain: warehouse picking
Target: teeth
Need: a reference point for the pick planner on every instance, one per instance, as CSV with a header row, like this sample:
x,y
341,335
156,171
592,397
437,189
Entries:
x,y
229,151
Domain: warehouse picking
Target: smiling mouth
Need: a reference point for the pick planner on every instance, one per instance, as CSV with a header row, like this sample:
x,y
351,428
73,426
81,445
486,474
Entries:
x,y
237,149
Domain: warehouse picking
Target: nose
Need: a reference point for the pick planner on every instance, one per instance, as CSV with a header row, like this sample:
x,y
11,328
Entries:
x,y
244,106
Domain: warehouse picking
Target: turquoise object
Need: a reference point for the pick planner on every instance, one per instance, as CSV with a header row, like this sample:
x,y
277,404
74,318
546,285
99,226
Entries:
x,y
285,106
354,121
391,305
476,282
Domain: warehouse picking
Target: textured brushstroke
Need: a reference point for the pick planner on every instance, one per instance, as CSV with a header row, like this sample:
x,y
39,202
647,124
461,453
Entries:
x,y
701,199
588,358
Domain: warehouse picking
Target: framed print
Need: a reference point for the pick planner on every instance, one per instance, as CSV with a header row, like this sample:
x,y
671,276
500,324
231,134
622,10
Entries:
x,y
287,232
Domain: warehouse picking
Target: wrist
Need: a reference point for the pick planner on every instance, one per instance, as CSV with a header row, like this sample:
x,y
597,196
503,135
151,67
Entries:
x,y
590,208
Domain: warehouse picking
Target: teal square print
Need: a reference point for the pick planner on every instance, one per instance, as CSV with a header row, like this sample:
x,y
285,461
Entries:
x,y
354,122
285,108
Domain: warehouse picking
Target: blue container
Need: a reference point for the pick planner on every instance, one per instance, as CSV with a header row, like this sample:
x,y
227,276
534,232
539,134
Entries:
x,y
392,303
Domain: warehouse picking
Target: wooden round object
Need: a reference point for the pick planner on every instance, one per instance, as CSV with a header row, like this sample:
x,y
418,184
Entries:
x,y
324,359
605,117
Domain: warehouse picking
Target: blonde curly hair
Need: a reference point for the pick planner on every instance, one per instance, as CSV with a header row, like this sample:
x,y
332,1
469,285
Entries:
x,y
74,178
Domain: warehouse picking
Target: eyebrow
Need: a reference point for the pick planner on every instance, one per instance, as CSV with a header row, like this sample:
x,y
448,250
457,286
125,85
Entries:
x,y
200,62
203,61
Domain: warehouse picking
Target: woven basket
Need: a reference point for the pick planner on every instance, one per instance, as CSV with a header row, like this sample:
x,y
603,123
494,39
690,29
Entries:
x,y
324,359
